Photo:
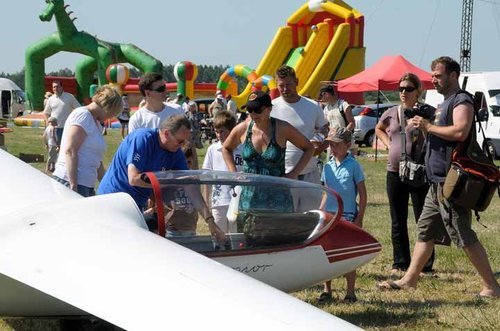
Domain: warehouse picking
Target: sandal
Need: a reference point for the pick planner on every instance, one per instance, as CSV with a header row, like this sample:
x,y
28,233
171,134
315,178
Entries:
x,y
350,298
324,297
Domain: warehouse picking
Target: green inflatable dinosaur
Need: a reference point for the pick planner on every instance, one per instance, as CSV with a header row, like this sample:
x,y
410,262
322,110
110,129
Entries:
x,y
99,55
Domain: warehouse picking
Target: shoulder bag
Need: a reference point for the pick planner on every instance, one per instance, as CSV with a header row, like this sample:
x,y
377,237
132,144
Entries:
x,y
410,172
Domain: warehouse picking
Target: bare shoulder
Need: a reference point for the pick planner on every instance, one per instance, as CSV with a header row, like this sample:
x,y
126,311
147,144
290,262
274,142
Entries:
x,y
282,124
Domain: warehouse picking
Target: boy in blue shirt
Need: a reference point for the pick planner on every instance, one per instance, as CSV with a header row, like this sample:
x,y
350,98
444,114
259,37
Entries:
x,y
344,175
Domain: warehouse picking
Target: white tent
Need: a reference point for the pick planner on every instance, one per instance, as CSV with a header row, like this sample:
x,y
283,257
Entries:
x,y
7,84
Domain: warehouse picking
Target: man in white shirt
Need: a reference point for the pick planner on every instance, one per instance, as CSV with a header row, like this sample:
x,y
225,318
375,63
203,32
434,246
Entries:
x,y
302,113
154,111
59,106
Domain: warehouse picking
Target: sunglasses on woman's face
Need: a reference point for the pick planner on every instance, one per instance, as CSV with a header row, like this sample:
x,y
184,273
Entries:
x,y
257,111
159,89
408,89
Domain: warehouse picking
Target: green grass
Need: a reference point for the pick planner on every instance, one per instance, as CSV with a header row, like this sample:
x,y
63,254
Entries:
x,y
447,301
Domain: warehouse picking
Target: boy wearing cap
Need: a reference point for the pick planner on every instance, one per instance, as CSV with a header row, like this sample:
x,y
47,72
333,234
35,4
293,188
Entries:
x,y
344,175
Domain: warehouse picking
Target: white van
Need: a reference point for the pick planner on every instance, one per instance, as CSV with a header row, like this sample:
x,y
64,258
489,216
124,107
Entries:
x,y
12,99
487,85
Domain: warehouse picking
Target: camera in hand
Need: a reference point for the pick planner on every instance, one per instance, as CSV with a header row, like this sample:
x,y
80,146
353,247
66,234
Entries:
x,y
424,111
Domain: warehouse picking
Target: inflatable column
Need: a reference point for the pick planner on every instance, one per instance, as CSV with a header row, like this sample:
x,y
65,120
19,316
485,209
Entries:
x,y
185,72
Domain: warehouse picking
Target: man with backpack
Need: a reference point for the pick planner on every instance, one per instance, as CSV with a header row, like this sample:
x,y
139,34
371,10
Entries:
x,y
442,221
337,112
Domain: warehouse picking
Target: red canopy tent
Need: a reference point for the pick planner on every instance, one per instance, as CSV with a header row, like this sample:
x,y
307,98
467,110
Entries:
x,y
384,76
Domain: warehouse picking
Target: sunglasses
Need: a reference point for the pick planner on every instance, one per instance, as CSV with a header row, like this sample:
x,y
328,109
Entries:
x,y
408,89
159,89
257,111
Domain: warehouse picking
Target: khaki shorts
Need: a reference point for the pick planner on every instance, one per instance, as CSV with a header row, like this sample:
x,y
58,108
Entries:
x,y
443,222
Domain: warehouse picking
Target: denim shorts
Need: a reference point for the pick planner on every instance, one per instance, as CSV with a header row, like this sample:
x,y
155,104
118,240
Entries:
x,y
82,190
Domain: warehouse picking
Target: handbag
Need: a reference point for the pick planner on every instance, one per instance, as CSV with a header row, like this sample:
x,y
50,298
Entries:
x,y
410,172
472,178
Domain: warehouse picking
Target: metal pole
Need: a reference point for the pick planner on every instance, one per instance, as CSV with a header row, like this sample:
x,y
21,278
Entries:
x,y
376,122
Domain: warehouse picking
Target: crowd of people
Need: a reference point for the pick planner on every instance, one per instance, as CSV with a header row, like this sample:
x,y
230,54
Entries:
x,y
280,137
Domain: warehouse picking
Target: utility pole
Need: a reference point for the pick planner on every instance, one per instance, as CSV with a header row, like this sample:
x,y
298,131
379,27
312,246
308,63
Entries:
x,y
466,35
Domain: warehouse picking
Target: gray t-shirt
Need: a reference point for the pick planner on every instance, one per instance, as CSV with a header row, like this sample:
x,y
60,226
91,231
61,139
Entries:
x,y
436,157
414,139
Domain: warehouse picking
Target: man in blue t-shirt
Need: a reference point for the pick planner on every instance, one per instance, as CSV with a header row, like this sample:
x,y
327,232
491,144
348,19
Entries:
x,y
144,151
149,150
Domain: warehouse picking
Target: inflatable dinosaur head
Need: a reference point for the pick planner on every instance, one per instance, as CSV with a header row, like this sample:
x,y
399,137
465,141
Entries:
x,y
52,7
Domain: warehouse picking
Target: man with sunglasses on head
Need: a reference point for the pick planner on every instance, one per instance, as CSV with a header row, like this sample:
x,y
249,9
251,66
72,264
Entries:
x,y
154,111
302,113
150,150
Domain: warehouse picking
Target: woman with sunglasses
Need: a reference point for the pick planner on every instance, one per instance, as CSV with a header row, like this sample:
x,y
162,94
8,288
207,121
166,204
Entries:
x,y
389,131
263,140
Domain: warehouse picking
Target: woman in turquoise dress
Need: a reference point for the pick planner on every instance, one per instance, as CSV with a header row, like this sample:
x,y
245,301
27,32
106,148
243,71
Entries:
x,y
264,139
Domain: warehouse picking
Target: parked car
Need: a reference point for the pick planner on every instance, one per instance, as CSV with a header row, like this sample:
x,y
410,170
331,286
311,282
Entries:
x,y
203,104
366,119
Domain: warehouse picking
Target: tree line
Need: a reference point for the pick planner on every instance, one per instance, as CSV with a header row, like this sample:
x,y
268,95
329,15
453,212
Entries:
x,y
206,74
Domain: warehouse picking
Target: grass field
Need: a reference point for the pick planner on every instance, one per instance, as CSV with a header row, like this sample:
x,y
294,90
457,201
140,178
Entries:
x,y
447,301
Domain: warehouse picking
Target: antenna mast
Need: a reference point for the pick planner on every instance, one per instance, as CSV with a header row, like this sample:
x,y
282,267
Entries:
x,y
466,35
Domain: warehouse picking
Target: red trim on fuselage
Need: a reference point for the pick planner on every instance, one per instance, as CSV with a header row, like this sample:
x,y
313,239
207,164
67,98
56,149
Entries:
x,y
155,184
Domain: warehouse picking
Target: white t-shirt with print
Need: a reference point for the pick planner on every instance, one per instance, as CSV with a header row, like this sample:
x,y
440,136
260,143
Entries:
x,y
307,117
221,195
91,151
144,118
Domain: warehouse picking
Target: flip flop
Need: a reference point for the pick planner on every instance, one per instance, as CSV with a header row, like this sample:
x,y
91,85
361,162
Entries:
x,y
487,297
350,298
389,285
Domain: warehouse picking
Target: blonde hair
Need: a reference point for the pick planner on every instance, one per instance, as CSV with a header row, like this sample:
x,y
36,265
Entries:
x,y
108,99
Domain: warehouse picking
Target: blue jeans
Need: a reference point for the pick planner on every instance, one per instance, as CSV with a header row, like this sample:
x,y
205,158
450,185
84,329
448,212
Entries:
x,y
82,190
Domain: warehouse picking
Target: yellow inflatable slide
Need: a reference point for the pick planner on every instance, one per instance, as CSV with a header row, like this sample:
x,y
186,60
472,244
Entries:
x,y
322,41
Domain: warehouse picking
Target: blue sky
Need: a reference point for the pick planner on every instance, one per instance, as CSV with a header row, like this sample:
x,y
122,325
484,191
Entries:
x,y
231,32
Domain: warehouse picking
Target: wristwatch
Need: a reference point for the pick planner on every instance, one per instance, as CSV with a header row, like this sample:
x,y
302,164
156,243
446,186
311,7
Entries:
x,y
145,178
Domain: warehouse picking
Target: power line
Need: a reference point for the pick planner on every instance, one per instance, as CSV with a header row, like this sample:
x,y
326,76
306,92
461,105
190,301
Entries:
x,y
424,49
